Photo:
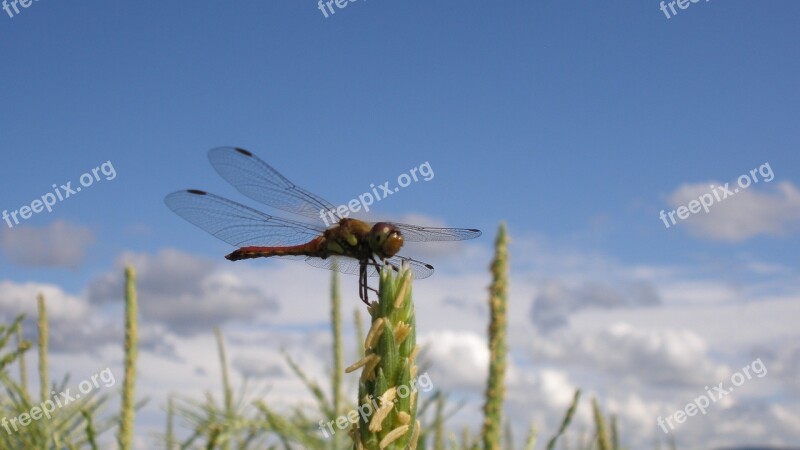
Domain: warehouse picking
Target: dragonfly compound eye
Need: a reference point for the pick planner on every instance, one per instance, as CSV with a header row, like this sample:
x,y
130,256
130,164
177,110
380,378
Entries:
x,y
394,241
385,240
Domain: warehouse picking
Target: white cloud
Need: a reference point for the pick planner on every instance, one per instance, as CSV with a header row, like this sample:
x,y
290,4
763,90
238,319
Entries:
x,y
182,292
747,213
20,298
555,302
73,326
59,244
622,351
459,360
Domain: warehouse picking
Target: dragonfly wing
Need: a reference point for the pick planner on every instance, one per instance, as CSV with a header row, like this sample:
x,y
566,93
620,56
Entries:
x,y
414,233
341,264
258,180
421,270
237,224
352,266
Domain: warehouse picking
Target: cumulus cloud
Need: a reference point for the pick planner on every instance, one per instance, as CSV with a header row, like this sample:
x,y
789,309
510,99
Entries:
x,y
73,325
59,244
656,357
182,292
555,302
747,213
20,298
461,359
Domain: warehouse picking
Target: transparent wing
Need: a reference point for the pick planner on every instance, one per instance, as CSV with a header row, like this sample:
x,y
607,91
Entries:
x,y
258,180
414,233
351,266
421,270
237,224
341,264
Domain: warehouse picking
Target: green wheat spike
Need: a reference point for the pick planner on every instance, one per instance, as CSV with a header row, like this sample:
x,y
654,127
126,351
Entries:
x,y
614,433
603,441
170,438
567,420
23,365
90,432
43,376
389,369
530,442
338,358
131,339
359,324
466,439
227,392
498,299
438,424
509,437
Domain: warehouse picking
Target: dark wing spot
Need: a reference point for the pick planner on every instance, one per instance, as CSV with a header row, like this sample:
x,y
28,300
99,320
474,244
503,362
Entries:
x,y
243,151
196,192
429,266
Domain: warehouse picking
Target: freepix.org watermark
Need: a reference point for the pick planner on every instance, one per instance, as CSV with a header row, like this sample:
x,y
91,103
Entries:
x,y
367,198
704,401
720,193
65,191
682,4
60,400
8,5
379,406
327,5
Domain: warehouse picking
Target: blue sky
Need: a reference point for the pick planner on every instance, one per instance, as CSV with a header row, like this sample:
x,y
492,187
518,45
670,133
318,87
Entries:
x,y
543,114
575,122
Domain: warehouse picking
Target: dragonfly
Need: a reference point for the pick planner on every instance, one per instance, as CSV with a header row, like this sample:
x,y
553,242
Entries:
x,y
348,246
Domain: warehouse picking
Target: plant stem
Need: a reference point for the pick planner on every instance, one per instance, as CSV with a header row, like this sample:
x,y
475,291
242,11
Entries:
x,y
131,338
495,389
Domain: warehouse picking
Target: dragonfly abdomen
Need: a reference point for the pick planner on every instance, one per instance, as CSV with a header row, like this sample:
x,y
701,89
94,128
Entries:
x,y
308,249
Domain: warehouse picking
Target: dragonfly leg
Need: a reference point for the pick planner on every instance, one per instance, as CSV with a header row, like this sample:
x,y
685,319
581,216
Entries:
x,y
388,263
363,288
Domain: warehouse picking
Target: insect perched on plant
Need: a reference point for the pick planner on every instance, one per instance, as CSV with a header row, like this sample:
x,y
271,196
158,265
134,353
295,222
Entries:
x,y
350,246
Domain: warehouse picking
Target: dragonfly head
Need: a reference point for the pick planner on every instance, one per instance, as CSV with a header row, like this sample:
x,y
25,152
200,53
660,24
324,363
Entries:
x,y
385,240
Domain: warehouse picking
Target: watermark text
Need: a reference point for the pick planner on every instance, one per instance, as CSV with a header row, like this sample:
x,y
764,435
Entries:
x,y
59,193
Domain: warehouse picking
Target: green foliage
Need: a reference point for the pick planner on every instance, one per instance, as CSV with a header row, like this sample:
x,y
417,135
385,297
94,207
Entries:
x,y
71,426
567,420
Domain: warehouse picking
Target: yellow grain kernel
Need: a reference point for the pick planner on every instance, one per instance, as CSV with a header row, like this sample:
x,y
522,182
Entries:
x,y
374,334
401,332
361,363
403,417
413,354
376,424
415,436
393,435
369,369
401,294
389,396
